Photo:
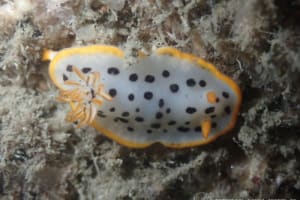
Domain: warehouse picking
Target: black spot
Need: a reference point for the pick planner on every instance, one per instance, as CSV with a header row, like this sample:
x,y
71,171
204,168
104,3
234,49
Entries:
x,y
137,110
161,103
112,109
121,119
165,73
165,130
187,123
139,119
148,95
133,77
86,69
191,82
227,109
159,115
155,125
149,79
100,114
198,129
214,125
183,129
131,97
202,83
149,131
225,95
168,110
125,114
172,122
112,92
93,93
209,110
190,110
130,129
113,71
69,68
217,100
65,77
174,88
213,116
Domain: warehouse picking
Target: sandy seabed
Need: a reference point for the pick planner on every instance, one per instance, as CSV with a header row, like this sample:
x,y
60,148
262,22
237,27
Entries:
x,y
256,42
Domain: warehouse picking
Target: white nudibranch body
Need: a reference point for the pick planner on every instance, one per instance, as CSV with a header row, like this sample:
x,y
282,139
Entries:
x,y
169,97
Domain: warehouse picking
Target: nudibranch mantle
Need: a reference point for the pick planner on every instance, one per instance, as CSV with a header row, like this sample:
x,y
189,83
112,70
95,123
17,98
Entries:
x,y
169,97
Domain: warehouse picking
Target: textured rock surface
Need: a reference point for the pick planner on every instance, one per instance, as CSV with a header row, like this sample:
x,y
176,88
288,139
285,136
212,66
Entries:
x,y
255,42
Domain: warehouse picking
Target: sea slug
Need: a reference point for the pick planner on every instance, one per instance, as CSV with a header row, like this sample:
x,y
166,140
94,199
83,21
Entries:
x,y
169,97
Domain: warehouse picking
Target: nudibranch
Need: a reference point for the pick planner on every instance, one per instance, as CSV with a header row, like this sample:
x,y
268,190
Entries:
x,y
169,97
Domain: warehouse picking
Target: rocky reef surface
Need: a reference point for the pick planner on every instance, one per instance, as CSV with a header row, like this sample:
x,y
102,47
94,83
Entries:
x,y
256,42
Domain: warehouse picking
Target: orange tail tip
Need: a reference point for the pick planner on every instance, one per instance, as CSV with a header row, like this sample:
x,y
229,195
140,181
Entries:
x,y
48,55
206,127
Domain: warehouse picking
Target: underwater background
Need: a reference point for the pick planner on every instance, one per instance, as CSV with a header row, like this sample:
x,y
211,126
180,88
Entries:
x,y
256,42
